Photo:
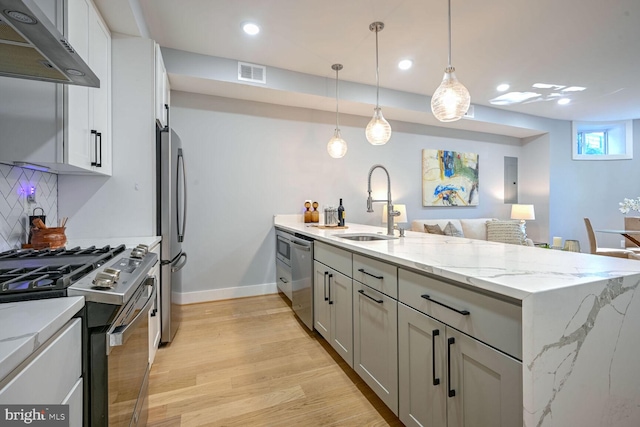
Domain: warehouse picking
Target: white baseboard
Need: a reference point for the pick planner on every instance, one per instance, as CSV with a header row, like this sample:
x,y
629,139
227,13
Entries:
x,y
224,293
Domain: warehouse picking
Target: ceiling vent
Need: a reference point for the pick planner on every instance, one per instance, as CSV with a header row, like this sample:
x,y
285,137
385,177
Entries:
x,y
252,73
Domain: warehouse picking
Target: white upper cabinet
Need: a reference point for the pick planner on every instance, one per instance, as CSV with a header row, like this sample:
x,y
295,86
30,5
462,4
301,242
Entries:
x,y
162,89
65,128
88,118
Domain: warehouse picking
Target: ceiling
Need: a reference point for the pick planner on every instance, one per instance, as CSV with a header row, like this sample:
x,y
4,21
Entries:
x,y
588,43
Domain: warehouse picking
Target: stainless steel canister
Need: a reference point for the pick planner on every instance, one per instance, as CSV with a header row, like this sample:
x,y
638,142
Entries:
x,y
330,216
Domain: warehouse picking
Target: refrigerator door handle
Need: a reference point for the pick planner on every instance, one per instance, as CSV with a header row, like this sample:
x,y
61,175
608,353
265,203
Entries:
x,y
176,266
181,227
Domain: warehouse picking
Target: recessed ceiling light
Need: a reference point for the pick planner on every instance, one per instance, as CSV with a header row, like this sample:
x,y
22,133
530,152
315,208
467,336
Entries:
x,y
405,64
564,101
250,28
502,87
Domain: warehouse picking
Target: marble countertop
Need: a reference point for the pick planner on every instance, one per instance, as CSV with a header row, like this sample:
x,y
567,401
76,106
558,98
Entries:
x,y
28,324
510,270
130,242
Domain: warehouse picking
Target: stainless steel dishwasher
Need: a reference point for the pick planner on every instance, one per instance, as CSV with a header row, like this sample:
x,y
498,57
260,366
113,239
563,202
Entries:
x,y
301,257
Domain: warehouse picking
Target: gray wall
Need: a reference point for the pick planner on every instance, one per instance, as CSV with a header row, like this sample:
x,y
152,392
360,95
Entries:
x,y
590,189
247,161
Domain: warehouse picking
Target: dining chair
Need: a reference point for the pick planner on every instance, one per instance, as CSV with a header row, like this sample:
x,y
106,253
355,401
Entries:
x,y
593,244
631,223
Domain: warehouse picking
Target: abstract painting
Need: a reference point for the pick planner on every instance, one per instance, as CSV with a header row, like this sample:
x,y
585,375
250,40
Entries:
x,y
449,178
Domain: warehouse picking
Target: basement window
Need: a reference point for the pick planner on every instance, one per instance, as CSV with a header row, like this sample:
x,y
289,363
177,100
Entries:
x,y
602,140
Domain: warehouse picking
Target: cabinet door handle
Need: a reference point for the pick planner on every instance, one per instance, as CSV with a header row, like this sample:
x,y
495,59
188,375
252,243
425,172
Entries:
x,y
361,270
99,137
330,276
450,342
325,286
434,334
94,136
379,301
283,280
462,312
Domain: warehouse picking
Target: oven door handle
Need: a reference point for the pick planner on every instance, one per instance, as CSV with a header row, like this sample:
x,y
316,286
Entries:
x,y
115,339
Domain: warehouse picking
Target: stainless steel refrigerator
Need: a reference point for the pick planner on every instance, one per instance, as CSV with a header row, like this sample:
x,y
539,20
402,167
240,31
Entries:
x,y
172,220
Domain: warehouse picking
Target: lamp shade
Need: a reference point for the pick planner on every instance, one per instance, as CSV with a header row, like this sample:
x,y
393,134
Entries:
x,y
378,130
399,219
337,147
451,100
522,212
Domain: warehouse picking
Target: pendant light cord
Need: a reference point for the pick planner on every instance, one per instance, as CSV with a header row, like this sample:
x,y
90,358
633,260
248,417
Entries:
x,y
377,72
449,33
337,122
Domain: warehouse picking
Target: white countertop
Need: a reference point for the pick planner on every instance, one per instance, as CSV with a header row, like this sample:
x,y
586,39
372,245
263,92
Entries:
x,y
510,270
130,242
27,325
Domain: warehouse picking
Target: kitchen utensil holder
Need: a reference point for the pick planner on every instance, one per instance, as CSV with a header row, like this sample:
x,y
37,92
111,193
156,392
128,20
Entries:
x,y
42,217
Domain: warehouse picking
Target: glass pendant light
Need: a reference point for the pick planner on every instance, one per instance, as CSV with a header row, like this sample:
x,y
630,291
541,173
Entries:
x,y
337,147
451,100
378,130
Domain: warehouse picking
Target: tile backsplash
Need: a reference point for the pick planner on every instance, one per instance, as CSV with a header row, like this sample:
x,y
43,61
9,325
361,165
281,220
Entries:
x,y
14,208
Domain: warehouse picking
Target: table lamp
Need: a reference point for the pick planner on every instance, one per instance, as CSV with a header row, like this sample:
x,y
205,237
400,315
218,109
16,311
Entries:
x,y
522,212
402,218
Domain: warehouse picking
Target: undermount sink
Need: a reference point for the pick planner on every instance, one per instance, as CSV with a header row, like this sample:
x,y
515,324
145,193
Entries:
x,y
365,237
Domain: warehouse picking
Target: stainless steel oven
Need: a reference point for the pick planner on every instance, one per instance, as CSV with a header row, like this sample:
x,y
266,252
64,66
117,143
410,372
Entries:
x,y
128,359
118,298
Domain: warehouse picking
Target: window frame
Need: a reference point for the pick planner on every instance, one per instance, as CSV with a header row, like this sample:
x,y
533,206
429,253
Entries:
x,y
587,127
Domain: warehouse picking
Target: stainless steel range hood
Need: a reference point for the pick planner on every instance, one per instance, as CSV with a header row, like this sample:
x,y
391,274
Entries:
x,y
31,47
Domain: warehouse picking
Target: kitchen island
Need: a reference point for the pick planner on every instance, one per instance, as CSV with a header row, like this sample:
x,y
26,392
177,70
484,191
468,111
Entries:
x,y
579,315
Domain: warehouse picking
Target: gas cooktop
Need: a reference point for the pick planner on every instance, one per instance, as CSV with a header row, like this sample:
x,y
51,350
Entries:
x,y
35,274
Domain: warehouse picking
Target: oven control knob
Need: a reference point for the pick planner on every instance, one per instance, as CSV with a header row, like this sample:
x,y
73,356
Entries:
x,y
105,280
139,251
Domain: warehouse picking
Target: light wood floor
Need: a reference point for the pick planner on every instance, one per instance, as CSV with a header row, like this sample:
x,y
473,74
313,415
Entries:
x,y
250,362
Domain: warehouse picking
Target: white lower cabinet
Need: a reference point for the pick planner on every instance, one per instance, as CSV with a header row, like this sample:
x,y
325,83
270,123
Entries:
x,y
38,382
375,342
447,378
333,309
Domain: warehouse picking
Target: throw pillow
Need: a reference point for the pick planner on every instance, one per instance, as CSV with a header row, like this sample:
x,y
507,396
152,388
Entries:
x,y
432,229
506,232
451,230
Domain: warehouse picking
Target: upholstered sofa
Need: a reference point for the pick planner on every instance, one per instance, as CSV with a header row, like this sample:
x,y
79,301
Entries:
x,y
475,228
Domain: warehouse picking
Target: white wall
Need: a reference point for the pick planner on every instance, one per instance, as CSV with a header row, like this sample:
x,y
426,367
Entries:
x,y
247,161
124,204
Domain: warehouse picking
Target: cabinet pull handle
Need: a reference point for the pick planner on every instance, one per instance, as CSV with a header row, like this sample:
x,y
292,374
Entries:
x,y
99,137
379,301
361,270
94,136
325,286
330,276
462,312
434,334
283,280
450,342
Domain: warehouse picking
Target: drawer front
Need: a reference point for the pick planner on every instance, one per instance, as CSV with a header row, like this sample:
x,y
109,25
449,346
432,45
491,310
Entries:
x,y
377,274
490,320
50,376
336,258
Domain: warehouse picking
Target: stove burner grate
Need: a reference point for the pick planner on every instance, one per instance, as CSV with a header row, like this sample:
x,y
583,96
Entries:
x,y
48,272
